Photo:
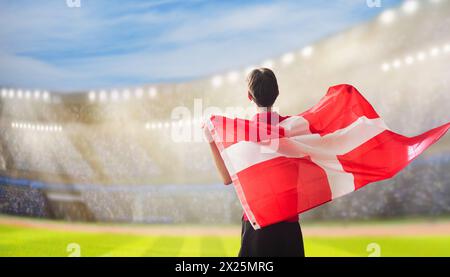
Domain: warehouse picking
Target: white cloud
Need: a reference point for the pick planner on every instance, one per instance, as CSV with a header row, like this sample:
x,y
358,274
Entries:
x,y
115,44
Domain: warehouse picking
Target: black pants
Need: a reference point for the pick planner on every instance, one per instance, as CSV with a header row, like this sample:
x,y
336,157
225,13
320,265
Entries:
x,y
282,239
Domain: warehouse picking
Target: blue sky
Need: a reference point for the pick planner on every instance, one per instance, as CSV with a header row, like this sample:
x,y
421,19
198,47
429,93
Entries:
x,y
115,43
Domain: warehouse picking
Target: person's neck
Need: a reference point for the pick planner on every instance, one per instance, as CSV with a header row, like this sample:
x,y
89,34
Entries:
x,y
263,109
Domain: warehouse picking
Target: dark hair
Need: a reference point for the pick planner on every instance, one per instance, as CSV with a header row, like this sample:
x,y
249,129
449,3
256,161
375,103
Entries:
x,y
263,86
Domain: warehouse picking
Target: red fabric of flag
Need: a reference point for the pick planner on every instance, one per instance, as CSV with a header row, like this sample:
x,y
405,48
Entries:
x,y
287,165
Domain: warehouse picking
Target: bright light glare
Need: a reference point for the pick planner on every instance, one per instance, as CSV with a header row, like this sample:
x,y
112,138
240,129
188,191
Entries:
x,y
45,96
102,96
446,48
307,51
233,76
152,92
387,16
288,58
126,94
434,51
92,96
216,81
139,92
410,6
114,95
37,94
421,56
267,64
409,60
397,63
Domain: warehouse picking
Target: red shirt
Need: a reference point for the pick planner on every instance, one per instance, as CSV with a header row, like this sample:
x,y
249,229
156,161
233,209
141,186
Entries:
x,y
291,219
269,117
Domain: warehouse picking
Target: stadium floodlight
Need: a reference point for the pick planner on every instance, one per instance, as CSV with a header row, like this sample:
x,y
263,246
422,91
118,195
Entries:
x,y
410,6
387,17
27,94
37,94
138,93
233,76
397,63
216,81
102,96
11,93
421,56
288,58
46,96
447,48
114,95
268,64
435,51
20,94
152,92
385,67
92,96
307,51
126,94
409,60
4,93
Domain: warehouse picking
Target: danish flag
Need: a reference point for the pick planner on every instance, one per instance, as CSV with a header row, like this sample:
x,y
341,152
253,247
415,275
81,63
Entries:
x,y
283,166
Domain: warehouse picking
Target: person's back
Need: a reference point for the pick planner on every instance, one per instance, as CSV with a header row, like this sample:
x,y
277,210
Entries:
x,y
279,239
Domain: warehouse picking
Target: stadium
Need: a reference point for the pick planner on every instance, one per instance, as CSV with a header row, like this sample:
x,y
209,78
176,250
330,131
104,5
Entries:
x,y
98,173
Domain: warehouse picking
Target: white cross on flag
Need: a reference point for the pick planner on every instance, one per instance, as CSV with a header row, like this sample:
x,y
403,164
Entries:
x,y
283,166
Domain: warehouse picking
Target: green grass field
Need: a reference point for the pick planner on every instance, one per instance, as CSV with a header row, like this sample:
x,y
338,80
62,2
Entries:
x,y
30,241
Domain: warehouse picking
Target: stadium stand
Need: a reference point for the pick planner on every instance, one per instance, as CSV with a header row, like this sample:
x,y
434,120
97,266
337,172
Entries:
x,y
109,154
